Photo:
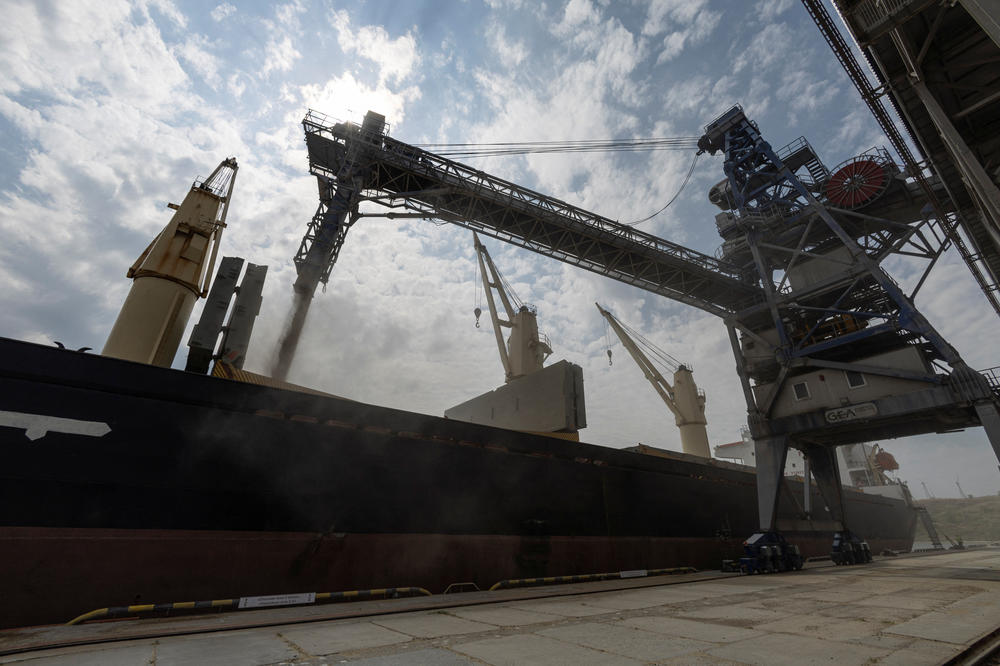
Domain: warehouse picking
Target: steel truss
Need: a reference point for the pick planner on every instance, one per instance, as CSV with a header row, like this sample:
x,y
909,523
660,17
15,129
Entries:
x,y
776,227
431,186
982,260
832,307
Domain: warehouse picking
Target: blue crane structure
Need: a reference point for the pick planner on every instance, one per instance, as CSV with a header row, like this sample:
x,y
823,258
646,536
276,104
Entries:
x,y
829,348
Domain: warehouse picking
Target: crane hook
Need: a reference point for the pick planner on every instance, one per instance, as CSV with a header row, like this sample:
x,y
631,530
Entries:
x,y
477,312
609,358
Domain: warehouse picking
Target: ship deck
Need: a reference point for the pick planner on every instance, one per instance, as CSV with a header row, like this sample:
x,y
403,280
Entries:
x,y
931,608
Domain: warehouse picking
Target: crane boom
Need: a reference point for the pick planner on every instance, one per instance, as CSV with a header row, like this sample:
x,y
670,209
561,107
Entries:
x,y
486,262
682,398
432,186
524,352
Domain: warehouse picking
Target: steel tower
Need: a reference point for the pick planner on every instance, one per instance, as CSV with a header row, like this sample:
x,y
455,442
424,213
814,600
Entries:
x,y
838,354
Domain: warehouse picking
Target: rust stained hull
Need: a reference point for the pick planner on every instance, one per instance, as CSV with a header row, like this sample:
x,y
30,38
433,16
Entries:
x,y
86,568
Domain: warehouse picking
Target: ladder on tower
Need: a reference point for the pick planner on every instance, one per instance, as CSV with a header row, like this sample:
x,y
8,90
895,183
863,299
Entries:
x,y
925,519
799,153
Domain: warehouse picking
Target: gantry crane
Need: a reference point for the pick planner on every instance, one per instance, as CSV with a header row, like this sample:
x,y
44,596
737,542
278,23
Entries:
x,y
683,398
829,348
525,351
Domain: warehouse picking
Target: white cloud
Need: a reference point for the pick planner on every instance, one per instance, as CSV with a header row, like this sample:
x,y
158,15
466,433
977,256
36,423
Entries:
x,y
577,14
768,10
803,95
280,52
700,28
89,51
664,13
195,51
280,55
222,11
682,22
396,59
769,47
167,8
511,53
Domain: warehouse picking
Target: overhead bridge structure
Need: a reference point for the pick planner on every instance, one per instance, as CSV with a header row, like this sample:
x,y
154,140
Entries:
x,y
427,185
937,65
829,348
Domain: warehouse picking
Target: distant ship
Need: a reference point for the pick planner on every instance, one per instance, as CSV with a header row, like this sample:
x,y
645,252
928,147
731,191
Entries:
x,y
863,467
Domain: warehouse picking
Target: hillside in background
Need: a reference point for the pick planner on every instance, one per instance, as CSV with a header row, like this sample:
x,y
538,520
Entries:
x,y
972,519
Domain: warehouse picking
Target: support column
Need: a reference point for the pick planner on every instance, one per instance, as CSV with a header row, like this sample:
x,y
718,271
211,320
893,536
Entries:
x,y
807,488
824,467
989,416
770,453
984,12
975,176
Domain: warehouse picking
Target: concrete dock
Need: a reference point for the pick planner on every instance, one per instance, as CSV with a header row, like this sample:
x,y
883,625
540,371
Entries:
x,y
916,609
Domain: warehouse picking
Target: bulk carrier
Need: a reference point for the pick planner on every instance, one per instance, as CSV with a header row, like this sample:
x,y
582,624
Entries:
x,y
125,482
204,488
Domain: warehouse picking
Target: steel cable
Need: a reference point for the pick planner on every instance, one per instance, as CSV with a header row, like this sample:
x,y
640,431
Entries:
x,y
672,199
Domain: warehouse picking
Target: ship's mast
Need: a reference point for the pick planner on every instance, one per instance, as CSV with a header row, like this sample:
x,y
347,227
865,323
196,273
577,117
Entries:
x,y
173,272
683,398
525,351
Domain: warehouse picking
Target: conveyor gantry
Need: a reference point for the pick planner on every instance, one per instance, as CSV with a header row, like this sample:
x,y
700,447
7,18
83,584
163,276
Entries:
x,y
428,185
800,286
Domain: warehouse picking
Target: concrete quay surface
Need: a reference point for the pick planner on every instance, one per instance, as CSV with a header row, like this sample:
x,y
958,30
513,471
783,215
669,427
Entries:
x,y
921,609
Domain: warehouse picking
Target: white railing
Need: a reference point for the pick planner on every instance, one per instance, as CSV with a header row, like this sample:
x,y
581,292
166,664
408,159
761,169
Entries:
x,y
872,13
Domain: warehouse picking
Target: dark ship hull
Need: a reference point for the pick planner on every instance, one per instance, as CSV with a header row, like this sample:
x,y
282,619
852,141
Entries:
x,y
205,488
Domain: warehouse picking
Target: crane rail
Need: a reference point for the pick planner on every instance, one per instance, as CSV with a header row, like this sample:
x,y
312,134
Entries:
x,y
436,187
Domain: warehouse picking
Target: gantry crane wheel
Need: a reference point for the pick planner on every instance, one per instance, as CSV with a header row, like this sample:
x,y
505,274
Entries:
x,y
857,182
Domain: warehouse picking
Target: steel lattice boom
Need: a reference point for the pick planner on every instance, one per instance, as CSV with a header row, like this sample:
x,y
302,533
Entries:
x,y
431,186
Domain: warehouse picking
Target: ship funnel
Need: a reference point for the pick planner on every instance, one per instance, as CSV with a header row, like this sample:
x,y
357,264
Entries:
x,y
173,272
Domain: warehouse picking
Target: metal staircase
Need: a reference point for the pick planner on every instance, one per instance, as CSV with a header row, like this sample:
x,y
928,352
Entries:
x,y
925,520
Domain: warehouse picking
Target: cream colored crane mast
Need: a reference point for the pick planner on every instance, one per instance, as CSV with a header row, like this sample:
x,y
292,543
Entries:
x,y
524,352
173,272
682,398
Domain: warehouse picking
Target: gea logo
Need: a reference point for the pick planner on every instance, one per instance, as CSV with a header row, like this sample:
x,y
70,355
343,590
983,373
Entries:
x,y
852,413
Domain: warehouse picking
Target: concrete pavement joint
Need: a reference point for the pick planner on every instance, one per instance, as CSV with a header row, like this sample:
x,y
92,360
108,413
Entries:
x,y
911,618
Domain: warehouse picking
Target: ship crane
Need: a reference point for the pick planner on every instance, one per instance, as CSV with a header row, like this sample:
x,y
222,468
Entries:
x,y
173,272
683,398
547,400
525,351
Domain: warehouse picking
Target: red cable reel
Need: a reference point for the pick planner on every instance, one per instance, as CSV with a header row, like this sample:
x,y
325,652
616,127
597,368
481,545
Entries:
x,y
857,182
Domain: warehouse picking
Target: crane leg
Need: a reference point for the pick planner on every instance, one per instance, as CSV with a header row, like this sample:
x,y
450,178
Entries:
x,y
989,416
847,547
770,454
767,551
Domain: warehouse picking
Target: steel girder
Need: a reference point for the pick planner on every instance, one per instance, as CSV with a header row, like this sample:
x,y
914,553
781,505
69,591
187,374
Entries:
x,y
920,52
427,185
873,314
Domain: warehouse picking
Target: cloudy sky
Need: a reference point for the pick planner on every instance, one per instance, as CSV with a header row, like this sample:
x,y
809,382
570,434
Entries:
x,y
108,110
